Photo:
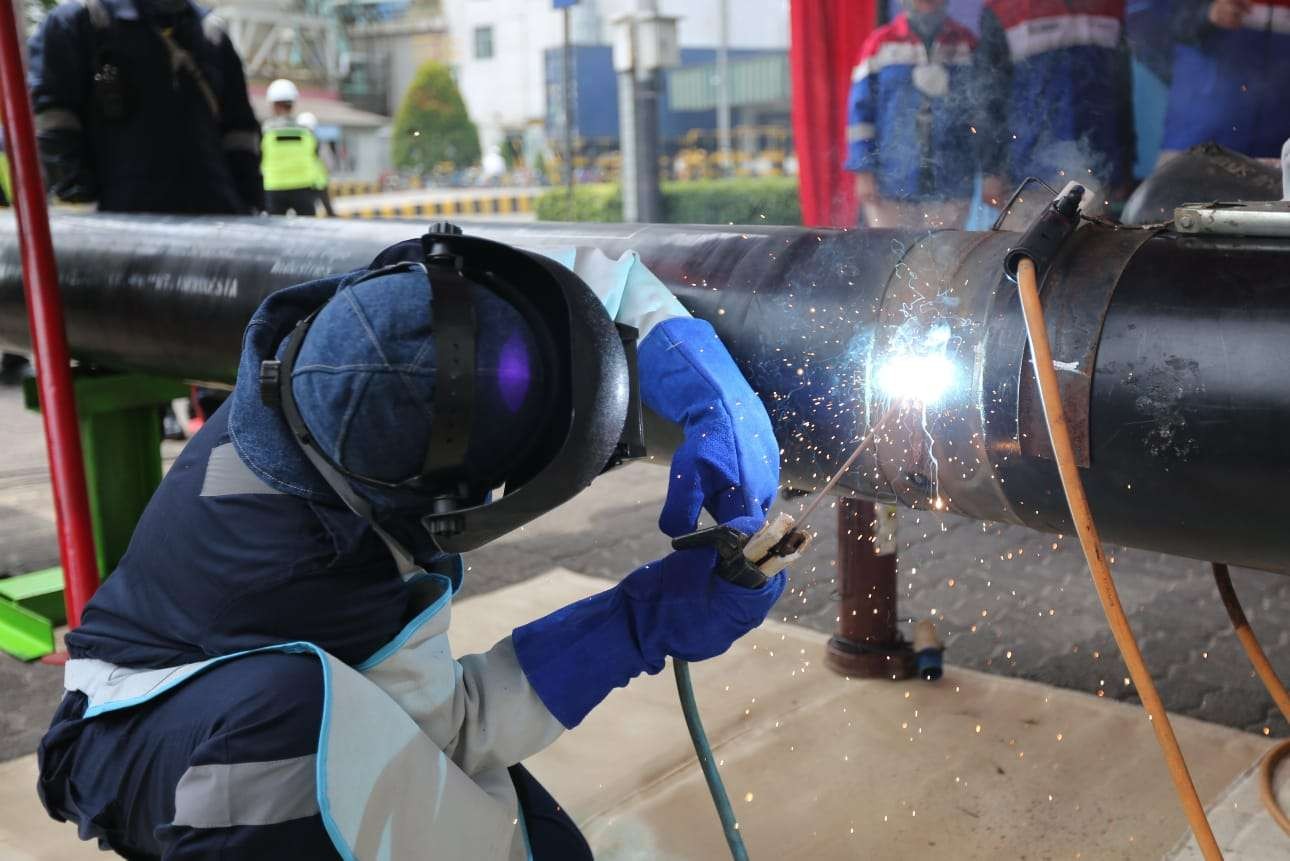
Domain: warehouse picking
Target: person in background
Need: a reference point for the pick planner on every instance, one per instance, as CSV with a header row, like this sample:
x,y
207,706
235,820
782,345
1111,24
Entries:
x,y
6,182
141,106
290,155
12,365
1054,96
909,121
322,176
1231,77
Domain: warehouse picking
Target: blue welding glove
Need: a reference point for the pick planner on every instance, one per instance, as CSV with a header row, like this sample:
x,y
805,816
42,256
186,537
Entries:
x,y
676,607
729,461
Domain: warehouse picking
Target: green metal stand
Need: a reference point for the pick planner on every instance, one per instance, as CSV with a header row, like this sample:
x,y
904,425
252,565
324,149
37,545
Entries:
x,y
121,437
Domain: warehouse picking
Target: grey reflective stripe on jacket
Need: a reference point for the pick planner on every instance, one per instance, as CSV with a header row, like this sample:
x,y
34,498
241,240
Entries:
x,y
227,475
481,710
109,687
57,119
227,795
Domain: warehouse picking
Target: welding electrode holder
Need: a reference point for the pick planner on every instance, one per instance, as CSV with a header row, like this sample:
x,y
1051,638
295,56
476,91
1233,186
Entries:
x,y
733,566
1045,237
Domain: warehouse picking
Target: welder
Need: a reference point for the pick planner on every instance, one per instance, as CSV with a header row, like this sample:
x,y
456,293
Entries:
x,y
267,673
141,106
289,159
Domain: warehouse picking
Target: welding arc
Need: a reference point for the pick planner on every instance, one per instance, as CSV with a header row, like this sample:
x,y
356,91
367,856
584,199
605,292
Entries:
x,y
1055,418
1271,681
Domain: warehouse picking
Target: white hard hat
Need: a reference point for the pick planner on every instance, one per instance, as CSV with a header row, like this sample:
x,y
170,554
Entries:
x,y
307,120
282,90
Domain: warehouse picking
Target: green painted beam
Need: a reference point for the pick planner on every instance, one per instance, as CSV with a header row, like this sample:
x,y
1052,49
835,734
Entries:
x,y
121,441
120,428
31,606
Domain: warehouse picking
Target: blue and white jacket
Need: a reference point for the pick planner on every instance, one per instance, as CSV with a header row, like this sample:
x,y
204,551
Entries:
x,y
1230,86
909,116
1055,86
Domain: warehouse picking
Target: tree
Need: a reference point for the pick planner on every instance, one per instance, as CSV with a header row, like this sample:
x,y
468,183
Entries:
x,y
36,11
432,125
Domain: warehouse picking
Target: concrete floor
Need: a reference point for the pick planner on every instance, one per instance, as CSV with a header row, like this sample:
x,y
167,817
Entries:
x,y
976,766
1006,600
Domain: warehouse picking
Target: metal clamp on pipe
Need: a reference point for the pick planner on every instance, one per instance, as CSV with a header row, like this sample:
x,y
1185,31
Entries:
x,y
1045,237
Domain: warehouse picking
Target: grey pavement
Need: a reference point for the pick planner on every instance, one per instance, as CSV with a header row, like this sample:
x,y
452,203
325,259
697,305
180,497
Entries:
x,y
1007,600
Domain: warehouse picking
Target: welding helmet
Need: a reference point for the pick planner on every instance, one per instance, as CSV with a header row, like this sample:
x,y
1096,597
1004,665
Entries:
x,y
460,384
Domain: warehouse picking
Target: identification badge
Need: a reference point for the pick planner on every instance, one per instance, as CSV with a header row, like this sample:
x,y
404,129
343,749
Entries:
x,y
932,80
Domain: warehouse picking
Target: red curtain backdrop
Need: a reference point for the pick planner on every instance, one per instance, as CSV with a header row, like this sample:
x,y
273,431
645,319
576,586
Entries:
x,y
826,38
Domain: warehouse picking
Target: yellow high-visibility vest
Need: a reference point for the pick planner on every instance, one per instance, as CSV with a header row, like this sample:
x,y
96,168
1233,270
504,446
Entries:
x,y
288,158
321,177
6,184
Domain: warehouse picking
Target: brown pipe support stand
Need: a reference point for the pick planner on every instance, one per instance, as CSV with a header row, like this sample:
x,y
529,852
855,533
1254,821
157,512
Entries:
x,y
866,644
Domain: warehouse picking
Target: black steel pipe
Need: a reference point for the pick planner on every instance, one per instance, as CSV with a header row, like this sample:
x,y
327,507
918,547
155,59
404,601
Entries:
x,y
1173,351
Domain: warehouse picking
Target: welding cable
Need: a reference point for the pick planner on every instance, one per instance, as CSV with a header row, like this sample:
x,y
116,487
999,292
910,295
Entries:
x,y
1271,681
1054,417
690,706
716,788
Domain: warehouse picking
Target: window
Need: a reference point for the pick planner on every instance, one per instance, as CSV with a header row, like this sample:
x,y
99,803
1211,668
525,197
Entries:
x,y
483,43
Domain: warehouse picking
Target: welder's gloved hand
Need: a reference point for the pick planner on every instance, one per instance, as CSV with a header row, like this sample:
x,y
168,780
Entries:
x,y
729,461
676,607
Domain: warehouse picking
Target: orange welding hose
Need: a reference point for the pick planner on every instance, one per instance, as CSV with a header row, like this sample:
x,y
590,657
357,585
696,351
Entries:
x,y
1271,681
1082,515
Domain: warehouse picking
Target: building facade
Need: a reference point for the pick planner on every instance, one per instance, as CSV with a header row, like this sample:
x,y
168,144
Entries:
x,y
501,51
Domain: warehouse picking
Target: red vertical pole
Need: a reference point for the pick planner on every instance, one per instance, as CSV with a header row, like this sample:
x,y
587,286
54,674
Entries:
x,y
48,335
866,643
824,44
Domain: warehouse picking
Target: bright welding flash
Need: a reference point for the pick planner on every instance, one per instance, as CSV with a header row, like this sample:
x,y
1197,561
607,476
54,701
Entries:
x,y
920,379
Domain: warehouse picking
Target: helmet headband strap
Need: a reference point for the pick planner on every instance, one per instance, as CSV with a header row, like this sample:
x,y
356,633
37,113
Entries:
x,y
452,322
328,470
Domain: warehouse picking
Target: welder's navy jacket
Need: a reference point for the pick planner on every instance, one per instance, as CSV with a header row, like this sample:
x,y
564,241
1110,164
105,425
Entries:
x,y
415,744
210,572
1231,86
1055,93
909,116
142,115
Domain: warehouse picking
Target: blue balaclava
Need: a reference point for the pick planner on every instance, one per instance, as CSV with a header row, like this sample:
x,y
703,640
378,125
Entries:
x,y
364,382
